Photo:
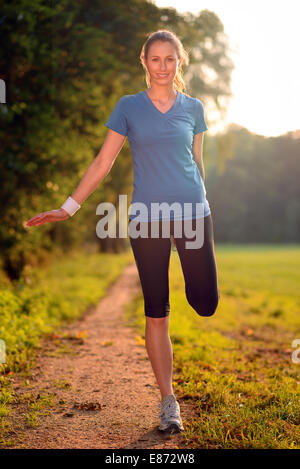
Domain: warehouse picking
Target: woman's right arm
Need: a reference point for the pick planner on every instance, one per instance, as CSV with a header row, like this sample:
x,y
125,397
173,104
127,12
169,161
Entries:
x,y
100,167
95,173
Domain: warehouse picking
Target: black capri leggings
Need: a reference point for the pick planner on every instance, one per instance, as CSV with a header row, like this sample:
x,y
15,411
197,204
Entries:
x,y
152,256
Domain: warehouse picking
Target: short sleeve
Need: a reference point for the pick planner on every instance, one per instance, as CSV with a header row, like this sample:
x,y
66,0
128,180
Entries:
x,y
200,123
117,120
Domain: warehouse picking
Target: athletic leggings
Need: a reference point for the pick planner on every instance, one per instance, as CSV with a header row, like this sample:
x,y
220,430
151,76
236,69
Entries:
x,y
152,256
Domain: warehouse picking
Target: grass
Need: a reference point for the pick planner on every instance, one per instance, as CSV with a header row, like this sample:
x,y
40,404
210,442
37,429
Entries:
x,y
38,306
235,368
49,297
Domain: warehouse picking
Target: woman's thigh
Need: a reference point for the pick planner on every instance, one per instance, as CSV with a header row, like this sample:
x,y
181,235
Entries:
x,y
152,256
197,257
199,267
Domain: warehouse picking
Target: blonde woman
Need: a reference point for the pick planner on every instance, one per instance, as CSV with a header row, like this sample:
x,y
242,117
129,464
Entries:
x,y
165,129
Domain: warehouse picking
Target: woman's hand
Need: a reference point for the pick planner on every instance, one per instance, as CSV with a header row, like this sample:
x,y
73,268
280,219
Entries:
x,y
51,216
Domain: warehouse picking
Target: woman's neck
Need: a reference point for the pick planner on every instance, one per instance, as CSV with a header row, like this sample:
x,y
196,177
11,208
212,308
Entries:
x,y
162,94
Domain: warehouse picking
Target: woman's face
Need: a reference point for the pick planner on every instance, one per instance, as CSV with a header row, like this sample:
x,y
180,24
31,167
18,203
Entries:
x,y
162,62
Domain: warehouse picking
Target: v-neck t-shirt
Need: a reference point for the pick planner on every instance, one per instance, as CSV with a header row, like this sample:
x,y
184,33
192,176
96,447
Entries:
x,y
164,168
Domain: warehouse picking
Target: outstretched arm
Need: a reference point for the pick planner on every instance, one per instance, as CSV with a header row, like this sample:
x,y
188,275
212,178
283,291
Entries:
x,y
97,171
100,167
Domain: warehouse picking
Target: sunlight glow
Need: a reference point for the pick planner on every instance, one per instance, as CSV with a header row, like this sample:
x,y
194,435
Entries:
x,y
265,38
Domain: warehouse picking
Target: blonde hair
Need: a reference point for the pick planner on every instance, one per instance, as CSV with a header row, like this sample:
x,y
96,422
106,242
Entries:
x,y
166,35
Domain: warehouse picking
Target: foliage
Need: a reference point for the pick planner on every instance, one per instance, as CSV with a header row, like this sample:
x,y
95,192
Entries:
x,y
65,65
255,196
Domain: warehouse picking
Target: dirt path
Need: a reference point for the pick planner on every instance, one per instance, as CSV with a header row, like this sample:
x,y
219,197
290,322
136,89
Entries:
x,y
106,395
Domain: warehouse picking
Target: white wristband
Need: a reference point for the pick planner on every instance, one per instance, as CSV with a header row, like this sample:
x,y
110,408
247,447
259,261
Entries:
x,y
71,206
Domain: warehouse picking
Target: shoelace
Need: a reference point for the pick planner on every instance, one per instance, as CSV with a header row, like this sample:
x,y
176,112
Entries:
x,y
172,408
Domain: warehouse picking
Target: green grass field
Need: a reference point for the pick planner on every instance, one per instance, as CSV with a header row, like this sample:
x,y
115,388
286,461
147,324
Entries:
x,y
236,366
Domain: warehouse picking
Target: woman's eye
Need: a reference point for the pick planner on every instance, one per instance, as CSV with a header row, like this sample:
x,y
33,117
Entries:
x,y
168,59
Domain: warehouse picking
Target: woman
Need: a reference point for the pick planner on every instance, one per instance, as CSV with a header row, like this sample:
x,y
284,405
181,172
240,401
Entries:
x,y
165,131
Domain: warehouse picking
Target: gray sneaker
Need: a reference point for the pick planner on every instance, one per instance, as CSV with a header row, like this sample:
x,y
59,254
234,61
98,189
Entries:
x,y
170,419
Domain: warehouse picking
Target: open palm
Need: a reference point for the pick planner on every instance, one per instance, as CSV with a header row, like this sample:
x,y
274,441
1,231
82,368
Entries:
x,y
51,216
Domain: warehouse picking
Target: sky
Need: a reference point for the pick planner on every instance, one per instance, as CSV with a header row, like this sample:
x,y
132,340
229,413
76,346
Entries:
x,y
265,38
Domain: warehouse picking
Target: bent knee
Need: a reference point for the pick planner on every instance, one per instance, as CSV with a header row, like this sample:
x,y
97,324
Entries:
x,y
205,307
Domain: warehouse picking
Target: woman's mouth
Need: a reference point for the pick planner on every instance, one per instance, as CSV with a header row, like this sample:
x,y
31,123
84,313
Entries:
x,y
162,75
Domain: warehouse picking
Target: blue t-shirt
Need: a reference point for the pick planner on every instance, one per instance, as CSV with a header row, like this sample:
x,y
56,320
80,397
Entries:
x,y
163,166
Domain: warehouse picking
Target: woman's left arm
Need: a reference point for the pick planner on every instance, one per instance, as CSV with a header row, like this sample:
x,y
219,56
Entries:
x,y
197,152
